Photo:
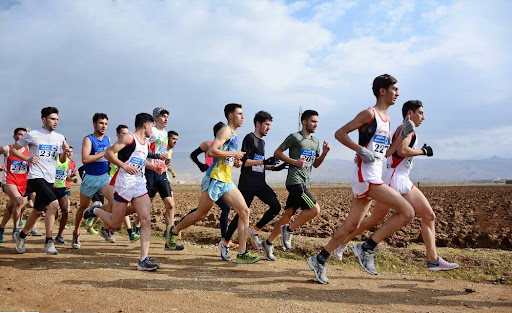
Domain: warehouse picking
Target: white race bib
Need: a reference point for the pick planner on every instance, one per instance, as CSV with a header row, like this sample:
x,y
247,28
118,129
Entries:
x,y
139,164
258,168
229,161
18,167
309,156
60,176
48,151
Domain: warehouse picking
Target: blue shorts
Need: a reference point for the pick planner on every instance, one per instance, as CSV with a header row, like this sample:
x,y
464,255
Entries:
x,y
91,184
216,188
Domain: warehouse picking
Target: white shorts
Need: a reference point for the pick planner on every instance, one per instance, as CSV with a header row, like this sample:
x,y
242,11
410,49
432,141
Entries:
x,y
127,194
365,176
398,181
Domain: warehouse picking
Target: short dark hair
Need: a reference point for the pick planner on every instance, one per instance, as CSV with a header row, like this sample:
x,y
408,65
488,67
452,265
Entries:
x,y
230,108
217,127
307,114
71,147
411,105
172,132
382,81
262,116
99,116
48,110
119,127
143,118
18,129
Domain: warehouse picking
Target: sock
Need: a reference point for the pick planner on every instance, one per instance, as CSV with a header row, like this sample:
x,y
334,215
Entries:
x,y
242,253
142,259
288,229
322,256
48,239
130,231
268,242
256,229
94,210
226,242
369,245
22,235
2,230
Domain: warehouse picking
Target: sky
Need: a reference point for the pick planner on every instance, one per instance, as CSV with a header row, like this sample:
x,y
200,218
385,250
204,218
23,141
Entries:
x,y
193,57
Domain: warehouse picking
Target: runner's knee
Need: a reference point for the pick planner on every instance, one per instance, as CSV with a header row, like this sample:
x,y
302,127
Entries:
x,y
315,210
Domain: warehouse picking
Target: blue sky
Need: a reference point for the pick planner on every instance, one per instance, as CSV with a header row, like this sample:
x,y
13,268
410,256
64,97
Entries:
x,y
126,57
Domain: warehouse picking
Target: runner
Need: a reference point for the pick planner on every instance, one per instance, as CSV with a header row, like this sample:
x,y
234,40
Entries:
x,y
44,147
372,149
14,183
217,183
61,178
252,180
171,143
304,153
96,176
71,174
397,176
203,167
130,185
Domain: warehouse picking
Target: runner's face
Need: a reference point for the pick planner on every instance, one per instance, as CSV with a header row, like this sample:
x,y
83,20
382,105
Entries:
x,y
161,120
173,140
50,122
122,131
101,126
390,94
148,129
18,135
264,128
238,117
311,123
417,117
69,153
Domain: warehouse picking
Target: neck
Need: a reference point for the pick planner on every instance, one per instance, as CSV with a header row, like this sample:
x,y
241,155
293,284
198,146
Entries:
x,y
98,135
45,128
232,126
305,132
139,133
159,127
382,106
257,134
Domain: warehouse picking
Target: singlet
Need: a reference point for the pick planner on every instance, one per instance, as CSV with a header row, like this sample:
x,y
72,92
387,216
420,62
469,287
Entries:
x,y
16,170
158,144
134,154
100,166
47,145
375,137
221,167
61,173
399,163
71,170
208,160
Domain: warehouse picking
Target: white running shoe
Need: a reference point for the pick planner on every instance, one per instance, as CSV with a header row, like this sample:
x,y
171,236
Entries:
x,y
366,258
340,250
224,251
319,269
268,251
256,243
19,242
49,248
441,265
286,237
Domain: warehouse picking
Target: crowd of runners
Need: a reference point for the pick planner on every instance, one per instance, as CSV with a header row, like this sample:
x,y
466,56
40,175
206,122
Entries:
x,y
122,178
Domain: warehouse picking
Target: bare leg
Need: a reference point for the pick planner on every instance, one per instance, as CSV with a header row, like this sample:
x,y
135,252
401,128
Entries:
x,y
205,204
142,206
235,200
285,219
84,204
49,220
379,212
305,216
63,203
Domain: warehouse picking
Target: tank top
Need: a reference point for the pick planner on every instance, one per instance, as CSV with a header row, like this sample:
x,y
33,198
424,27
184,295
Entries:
x,y
16,170
399,163
134,154
221,167
158,144
61,173
100,166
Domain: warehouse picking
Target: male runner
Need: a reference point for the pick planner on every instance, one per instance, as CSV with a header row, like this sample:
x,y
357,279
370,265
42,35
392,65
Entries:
x,y
217,183
130,185
44,147
172,141
96,176
61,178
397,176
71,173
304,153
372,149
252,180
14,183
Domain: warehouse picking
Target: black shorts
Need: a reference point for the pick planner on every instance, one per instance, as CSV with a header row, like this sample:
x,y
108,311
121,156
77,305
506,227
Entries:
x,y
299,197
28,191
98,197
68,192
264,192
45,194
60,192
158,183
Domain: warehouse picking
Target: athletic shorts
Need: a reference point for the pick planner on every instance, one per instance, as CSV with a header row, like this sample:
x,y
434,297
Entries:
x,y
93,183
21,191
125,195
163,187
299,197
45,194
68,192
98,197
216,188
28,191
60,192
398,181
365,176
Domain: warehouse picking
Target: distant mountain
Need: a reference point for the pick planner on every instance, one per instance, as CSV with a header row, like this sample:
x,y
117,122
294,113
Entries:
x,y
335,170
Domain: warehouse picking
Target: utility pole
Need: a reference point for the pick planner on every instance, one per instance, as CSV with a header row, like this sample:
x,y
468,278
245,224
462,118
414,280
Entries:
x,y
300,114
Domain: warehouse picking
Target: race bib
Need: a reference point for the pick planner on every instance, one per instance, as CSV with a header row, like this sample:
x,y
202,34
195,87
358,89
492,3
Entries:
x,y
101,150
229,161
138,163
308,155
381,145
18,167
258,168
48,151
60,176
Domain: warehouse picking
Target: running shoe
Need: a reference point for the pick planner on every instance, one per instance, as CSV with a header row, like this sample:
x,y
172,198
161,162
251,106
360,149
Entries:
x,y
224,251
76,241
15,231
20,242
256,243
177,247
60,239
319,269
20,223
134,237
441,265
164,235
107,235
268,250
232,245
247,258
340,250
147,265
172,239
49,248
286,237
34,232
92,231
89,213
2,235
89,222
366,258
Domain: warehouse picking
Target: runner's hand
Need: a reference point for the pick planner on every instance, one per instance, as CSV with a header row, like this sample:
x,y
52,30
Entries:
x,y
131,170
280,167
300,163
203,167
2,168
238,154
160,170
33,159
271,161
237,163
407,127
326,147
427,150
366,155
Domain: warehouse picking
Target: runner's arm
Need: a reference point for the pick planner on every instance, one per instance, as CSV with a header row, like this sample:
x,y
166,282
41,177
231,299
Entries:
x,y
14,151
325,149
279,153
361,119
4,150
203,147
214,151
86,152
404,150
63,156
110,153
